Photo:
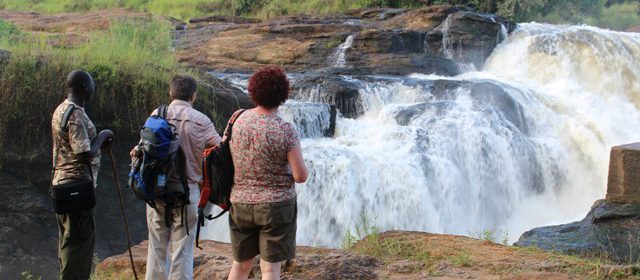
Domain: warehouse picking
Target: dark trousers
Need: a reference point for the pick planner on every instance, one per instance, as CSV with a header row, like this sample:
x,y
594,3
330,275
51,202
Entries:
x,y
76,244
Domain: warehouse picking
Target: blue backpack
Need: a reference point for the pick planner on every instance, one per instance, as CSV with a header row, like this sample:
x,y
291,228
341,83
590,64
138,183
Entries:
x,y
161,154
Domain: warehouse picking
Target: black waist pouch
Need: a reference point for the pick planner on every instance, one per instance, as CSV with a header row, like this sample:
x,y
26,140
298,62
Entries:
x,y
73,197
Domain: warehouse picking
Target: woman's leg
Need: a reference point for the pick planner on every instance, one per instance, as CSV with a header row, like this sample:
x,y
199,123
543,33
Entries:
x,y
241,270
269,270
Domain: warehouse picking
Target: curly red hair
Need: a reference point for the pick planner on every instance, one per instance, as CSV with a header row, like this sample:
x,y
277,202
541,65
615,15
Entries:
x,y
269,87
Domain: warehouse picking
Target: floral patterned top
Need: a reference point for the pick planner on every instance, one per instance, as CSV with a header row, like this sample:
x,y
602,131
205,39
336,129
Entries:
x,y
259,147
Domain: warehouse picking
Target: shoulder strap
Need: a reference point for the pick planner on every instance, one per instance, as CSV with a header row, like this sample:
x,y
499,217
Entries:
x,y
162,111
180,163
229,130
65,117
63,127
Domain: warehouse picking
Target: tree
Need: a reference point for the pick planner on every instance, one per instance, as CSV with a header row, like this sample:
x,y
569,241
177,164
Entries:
x,y
610,3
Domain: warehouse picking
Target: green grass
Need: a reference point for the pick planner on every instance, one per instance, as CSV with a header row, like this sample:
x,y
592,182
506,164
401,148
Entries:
x,y
462,259
132,63
185,9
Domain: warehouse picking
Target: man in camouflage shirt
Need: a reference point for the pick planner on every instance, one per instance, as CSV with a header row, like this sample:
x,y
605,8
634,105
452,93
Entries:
x,y
76,156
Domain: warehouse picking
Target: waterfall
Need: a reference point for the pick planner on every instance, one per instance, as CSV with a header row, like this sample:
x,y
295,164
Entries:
x,y
446,47
502,34
341,52
311,120
521,144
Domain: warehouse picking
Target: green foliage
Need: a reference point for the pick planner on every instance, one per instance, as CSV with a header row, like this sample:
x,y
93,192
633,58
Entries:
x,y
185,9
463,259
617,17
131,62
365,238
363,229
554,11
8,29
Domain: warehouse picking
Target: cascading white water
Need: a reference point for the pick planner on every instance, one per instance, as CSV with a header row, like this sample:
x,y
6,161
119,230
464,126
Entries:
x,y
341,52
311,120
446,47
469,161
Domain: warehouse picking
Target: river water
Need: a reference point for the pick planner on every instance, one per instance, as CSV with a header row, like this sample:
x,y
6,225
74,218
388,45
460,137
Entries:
x,y
534,152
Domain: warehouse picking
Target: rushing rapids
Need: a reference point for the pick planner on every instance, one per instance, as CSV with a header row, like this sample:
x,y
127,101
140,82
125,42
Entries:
x,y
520,144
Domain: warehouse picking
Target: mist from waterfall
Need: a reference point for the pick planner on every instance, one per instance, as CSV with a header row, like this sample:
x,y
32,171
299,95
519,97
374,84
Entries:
x,y
532,154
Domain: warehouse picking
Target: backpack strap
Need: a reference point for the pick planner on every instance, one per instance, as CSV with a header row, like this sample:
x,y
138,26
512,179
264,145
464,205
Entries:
x,y
179,163
162,111
199,225
229,130
66,116
63,127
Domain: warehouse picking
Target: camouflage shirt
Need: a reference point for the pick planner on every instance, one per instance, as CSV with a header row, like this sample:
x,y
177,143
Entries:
x,y
75,140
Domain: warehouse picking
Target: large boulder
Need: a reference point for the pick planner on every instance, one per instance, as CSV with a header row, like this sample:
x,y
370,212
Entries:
x,y
468,37
226,99
329,89
486,96
624,179
612,227
609,229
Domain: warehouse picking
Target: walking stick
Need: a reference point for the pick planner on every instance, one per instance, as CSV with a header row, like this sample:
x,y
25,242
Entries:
x,y
124,214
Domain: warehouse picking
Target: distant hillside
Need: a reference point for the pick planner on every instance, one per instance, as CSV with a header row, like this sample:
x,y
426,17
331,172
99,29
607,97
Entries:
x,y
613,14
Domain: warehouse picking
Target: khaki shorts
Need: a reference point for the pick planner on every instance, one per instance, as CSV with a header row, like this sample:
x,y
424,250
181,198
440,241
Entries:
x,y
265,229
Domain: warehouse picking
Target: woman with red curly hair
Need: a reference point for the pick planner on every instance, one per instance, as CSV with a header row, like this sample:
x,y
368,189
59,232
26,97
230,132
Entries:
x,y
268,162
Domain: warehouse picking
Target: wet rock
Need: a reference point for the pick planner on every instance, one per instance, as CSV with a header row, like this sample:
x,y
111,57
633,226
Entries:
x,y
468,37
226,98
328,89
406,114
486,96
610,229
624,178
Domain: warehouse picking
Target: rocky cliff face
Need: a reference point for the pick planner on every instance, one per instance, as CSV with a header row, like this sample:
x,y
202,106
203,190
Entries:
x,y
380,41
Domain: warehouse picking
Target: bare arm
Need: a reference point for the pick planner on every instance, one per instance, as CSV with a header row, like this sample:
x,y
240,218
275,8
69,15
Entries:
x,y
298,168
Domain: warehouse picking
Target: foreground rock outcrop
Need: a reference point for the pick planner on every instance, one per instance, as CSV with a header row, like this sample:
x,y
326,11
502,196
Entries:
x,y
612,227
612,230
392,255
